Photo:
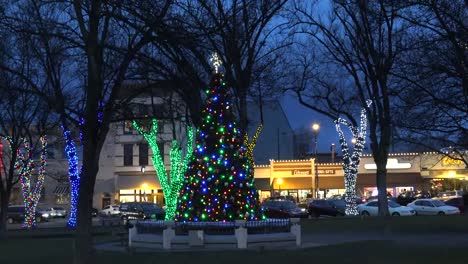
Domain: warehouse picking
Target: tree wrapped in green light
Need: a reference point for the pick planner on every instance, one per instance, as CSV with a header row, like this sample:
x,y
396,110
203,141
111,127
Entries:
x,y
171,185
219,184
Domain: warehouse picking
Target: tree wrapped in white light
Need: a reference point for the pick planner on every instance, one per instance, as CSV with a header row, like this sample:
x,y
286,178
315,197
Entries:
x,y
351,161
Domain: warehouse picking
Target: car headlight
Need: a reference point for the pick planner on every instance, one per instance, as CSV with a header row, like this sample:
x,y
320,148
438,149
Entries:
x,y
45,215
303,209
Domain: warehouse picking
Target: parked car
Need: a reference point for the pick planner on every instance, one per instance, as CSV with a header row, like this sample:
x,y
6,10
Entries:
x,y
457,202
44,213
110,210
433,207
371,208
15,213
281,197
444,196
137,210
375,198
283,209
410,196
56,212
94,212
327,207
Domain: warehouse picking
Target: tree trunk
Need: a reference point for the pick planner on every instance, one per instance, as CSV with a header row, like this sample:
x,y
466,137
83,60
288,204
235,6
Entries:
x,y
83,240
5,195
382,187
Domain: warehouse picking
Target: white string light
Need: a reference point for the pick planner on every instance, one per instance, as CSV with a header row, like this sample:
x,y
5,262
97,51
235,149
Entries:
x,y
351,161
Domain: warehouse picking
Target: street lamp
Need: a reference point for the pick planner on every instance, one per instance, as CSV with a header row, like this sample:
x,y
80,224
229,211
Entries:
x,y
315,129
279,181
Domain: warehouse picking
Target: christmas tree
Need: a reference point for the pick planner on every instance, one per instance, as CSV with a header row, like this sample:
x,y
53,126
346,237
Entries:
x,y
219,183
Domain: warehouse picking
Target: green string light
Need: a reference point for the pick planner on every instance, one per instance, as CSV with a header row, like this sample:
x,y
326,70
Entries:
x,y
171,185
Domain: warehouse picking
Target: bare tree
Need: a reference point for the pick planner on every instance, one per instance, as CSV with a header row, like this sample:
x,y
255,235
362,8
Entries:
x,y
434,105
103,38
242,32
360,41
19,122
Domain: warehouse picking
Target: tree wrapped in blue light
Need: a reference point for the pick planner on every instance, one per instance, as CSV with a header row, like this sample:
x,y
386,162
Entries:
x,y
73,175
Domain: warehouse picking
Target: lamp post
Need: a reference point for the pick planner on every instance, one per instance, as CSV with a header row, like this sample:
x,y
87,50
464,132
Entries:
x,y
279,181
315,129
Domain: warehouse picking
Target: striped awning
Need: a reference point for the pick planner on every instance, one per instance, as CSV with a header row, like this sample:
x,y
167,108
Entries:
x,y
62,189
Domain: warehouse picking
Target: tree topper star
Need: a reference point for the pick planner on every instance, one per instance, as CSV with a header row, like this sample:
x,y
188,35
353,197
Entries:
x,y
216,61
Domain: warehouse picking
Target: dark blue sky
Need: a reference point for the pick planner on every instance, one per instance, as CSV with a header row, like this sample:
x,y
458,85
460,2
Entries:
x,y
301,116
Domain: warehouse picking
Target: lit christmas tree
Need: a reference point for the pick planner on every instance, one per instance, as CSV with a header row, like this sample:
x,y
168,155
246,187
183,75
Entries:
x,y
351,161
219,183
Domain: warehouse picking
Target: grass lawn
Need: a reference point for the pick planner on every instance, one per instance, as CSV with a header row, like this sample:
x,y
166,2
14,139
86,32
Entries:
x,y
55,245
59,250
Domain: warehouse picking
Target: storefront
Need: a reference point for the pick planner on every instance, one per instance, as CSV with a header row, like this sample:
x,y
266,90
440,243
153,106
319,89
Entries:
x,y
331,181
139,189
403,174
443,173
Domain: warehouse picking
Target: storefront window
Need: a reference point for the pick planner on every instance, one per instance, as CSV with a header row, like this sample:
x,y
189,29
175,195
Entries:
x,y
62,198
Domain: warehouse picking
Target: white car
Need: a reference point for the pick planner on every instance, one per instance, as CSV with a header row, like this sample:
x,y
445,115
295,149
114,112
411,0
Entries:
x,y
444,196
110,210
371,208
433,207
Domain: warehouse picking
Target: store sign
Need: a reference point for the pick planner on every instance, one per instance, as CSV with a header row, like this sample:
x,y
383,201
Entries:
x,y
301,172
326,171
392,164
449,161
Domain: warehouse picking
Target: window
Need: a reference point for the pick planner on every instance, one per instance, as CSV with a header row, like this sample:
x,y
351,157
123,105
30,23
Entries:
x,y
143,154
419,203
127,127
427,203
373,204
128,154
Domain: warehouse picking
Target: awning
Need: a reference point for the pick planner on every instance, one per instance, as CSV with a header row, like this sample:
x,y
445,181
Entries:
x,y
62,189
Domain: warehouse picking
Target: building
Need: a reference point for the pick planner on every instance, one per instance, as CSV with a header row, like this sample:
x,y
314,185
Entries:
x,y
428,171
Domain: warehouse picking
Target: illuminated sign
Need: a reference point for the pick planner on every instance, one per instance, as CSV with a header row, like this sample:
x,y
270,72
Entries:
x,y
301,172
391,164
449,161
326,172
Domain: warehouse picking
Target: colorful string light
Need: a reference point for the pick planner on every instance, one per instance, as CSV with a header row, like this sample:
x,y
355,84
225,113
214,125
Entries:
x,y
25,165
351,162
219,184
171,186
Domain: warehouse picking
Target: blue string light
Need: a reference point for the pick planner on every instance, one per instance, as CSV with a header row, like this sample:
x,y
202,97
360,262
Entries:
x,y
73,175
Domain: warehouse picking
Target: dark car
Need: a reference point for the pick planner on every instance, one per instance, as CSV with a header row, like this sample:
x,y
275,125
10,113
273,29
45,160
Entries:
x,y
409,196
327,207
94,212
16,214
283,209
457,202
281,197
137,210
